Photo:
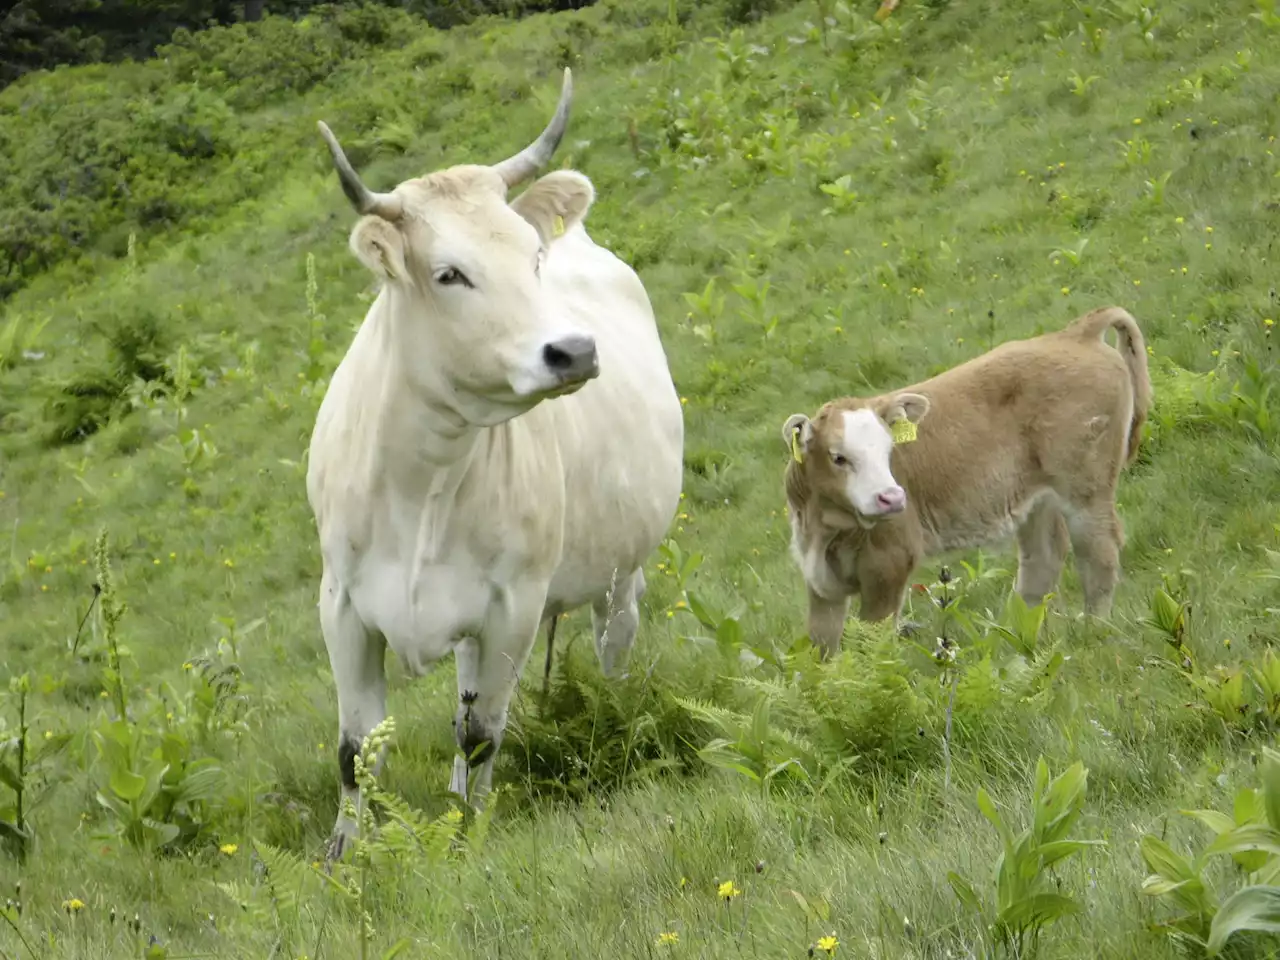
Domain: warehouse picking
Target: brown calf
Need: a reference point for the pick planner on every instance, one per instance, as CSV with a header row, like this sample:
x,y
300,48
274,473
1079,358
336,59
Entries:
x,y
1028,439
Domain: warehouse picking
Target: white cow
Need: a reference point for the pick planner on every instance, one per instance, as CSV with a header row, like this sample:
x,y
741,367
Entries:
x,y
456,509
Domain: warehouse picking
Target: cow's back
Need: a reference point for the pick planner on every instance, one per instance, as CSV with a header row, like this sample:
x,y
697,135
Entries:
x,y
621,437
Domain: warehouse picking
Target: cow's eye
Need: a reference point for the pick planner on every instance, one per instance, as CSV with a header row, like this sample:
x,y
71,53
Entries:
x,y
450,276
839,459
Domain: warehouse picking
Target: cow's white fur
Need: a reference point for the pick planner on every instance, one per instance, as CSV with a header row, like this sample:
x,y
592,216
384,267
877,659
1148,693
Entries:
x,y
463,493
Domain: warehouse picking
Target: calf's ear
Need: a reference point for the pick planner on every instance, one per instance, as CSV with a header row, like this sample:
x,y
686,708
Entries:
x,y
555,203
797,432
905,406
380,247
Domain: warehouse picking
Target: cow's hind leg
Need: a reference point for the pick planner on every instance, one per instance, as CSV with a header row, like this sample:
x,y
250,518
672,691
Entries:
x,y
356,658
1043,541
489,670
616,620
1096,539
551,645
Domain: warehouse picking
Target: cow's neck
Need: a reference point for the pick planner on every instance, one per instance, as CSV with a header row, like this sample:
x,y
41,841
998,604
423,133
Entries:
x,y
419,439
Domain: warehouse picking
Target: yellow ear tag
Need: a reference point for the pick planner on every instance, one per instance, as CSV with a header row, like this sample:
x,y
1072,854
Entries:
x,y
557,226
795,447
904,431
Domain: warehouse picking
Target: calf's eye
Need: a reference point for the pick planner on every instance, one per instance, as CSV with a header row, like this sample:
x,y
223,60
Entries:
x,y
839,459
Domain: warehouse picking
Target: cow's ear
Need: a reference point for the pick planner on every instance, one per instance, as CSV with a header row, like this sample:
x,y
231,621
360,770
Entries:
x,y
797,432
904,406
555,203
380,247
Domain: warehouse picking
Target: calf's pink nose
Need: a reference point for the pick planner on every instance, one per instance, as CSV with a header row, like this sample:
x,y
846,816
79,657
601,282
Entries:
x,y
892,500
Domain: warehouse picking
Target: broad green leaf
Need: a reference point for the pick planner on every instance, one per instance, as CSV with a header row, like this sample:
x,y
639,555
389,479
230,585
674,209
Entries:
x,y
9,777
700,610
988,809
1157,886
1051,853
116,806
1253,908
201,783
804,904
729,633
1042,776
1248,807
155,780
760,721
126,784
1251,836
1270,775
1268,873
1216,821
965,893
1063,801
1163,860
778,768
161,833
1038,909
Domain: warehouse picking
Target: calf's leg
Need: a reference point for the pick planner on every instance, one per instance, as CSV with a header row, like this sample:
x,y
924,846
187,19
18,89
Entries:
x,y
826,623
1043,541
356,658
1096,539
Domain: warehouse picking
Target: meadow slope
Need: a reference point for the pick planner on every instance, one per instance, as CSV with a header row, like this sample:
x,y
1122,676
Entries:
x,y
817,207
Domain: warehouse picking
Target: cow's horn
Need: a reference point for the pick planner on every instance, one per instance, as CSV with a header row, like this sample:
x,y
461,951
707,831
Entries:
x,y
385,205
532,158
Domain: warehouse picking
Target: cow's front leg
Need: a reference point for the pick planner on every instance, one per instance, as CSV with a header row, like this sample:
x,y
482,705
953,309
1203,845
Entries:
x,y
356,657
489,668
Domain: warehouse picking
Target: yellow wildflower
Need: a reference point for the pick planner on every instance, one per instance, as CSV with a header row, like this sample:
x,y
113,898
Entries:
x,y
728,891
828,944
668,936
75,903
228,848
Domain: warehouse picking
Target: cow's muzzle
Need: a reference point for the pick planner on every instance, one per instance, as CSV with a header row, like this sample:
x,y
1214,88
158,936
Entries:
x,y
572,359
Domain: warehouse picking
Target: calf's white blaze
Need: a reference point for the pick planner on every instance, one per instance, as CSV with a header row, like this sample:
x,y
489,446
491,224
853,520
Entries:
x,y
866,445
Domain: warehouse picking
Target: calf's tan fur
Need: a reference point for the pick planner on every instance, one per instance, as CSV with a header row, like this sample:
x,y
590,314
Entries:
x,y
1027,440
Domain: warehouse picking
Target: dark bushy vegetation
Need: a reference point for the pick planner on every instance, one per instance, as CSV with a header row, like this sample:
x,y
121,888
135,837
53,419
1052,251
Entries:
x,y
43,34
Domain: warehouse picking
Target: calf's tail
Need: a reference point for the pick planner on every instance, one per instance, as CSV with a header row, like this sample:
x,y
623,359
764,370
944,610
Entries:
x,y
1133,347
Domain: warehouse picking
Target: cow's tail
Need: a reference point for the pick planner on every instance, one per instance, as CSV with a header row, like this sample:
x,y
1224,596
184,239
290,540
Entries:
x,y
1133,347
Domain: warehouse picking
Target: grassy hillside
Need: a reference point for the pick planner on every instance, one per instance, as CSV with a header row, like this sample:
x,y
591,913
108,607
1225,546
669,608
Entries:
x,y
818,204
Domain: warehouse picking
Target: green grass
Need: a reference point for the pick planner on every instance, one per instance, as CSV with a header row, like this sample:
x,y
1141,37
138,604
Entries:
x,y
974,155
